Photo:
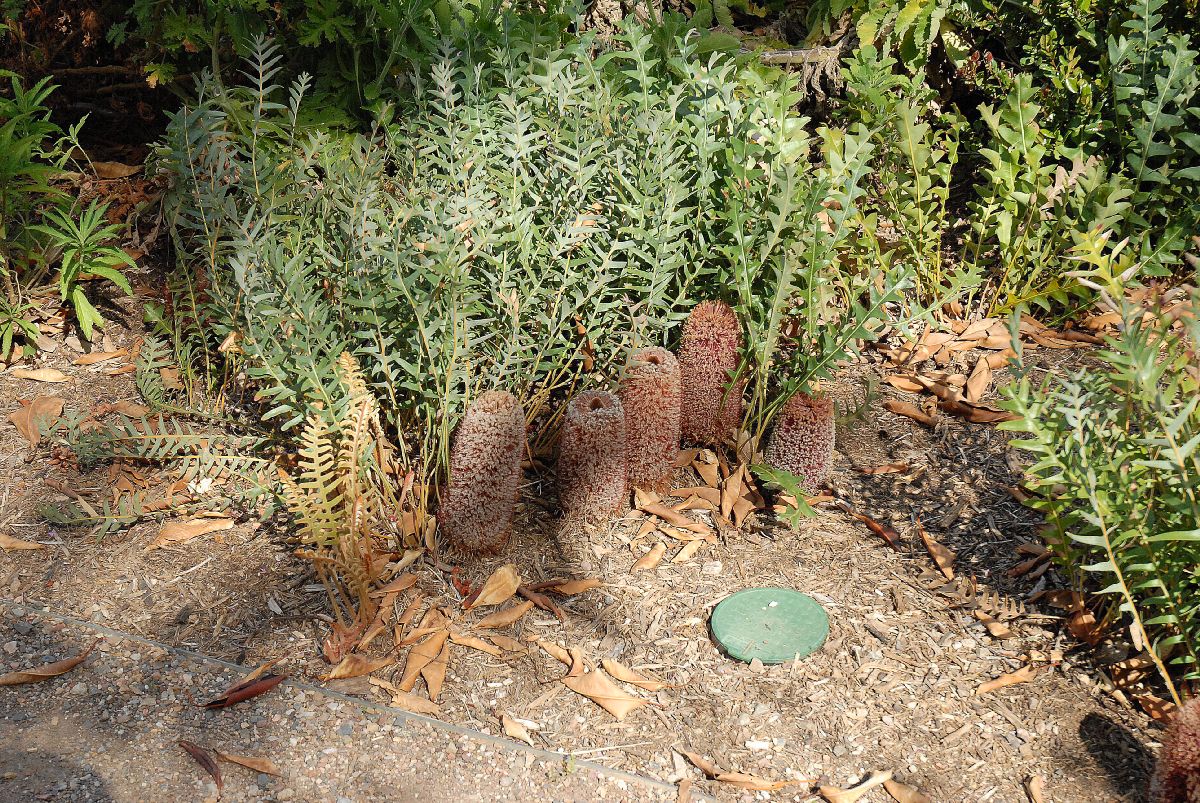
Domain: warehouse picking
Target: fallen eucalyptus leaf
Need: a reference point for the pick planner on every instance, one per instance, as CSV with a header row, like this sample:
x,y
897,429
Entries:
x,y
264,765
904,793
515,729
40,374
205,760
179,532
597,687
47,671
505,616
7,543
651,559
835,795
499,587
627,675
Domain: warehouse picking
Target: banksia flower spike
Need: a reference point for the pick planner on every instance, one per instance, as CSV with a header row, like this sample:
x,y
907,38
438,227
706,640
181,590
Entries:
x,y
485,473
650,395
1177,777
708,357
591,457
803,438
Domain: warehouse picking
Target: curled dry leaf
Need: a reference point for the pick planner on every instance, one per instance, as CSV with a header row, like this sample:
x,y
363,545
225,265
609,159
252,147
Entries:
x,y
651,559
904,793
903,382
627,675
835,795
980,381
556,652
689,551
543,602
570,588
942,556
98,356
409,702
30,419
178,532
882,530
421,656
499,587
205,760
890,468
505,616
508,644
975,413
1022,675
264,765
701,763
245,690
7,543
710,495
744,780
434,672
40,374
111,170
1035,787
909,411
401,583
355,665
47,671
515,729
463,640
597,687
995,627
675,517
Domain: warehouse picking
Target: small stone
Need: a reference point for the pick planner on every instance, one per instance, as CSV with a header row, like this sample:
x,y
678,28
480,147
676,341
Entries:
x,y
79,688
287,793
263,780
10,647
346,729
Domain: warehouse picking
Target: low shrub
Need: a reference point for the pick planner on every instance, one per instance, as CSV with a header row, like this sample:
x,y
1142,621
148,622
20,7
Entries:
x,y
1118,477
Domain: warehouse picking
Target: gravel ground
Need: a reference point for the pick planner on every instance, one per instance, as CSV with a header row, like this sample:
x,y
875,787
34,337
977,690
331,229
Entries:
x,y
108,730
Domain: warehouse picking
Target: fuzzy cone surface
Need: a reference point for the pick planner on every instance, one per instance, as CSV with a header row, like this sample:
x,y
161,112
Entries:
x,y
485,473
650,395
592,469
1177,777
708,357
803,440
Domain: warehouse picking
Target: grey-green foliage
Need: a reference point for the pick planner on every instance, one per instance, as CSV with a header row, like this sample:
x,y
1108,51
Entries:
x,y
510,221
1117,474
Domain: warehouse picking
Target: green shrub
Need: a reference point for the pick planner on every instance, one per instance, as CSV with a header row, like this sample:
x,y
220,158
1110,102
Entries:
x,y
42,236
1117,473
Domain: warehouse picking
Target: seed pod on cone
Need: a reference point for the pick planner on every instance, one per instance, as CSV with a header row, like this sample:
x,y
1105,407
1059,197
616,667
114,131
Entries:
x,y
1177,777
650,396
803,439
485,473
708,358
592,468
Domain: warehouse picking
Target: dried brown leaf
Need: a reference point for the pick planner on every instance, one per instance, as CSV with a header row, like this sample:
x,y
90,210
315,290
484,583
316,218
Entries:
x,y
8,543
651,559
245,690
904,382
505,616
264,765
701,763
689,551
980,381
110,170
508,644
710,495
835,795
627,675
674,517
909,411
975,413
499,587
178,532
475,643
994,626
40,374
1022,675
98,356
355,665
597,687
942,556
570,588
890,468
556,652
434,672
1035,787
46,671
708,472
205,760
515,730
882,530
398,584
421,655
32,417
744,780
903,793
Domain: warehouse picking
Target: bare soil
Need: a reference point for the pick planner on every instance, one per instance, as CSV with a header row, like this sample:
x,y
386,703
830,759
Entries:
x,y
894,688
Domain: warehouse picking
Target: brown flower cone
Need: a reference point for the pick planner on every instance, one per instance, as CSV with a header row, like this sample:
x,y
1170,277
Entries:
x,y
591,457
803,440
485,473
708,357
1177,777
650,396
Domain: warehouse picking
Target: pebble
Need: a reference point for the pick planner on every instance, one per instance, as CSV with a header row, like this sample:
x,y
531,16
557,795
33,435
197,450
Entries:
x,y
79,688
10,647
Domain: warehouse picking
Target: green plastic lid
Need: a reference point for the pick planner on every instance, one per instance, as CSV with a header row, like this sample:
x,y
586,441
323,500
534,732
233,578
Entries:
x,y
773,625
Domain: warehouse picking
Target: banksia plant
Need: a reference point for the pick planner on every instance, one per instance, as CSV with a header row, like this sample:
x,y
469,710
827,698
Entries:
x,y
650,396
485,473
1177,777
591,457
708,358
802,441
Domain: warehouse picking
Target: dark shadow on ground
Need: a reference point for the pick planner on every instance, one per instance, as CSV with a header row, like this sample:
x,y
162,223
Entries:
x,y
1126,762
